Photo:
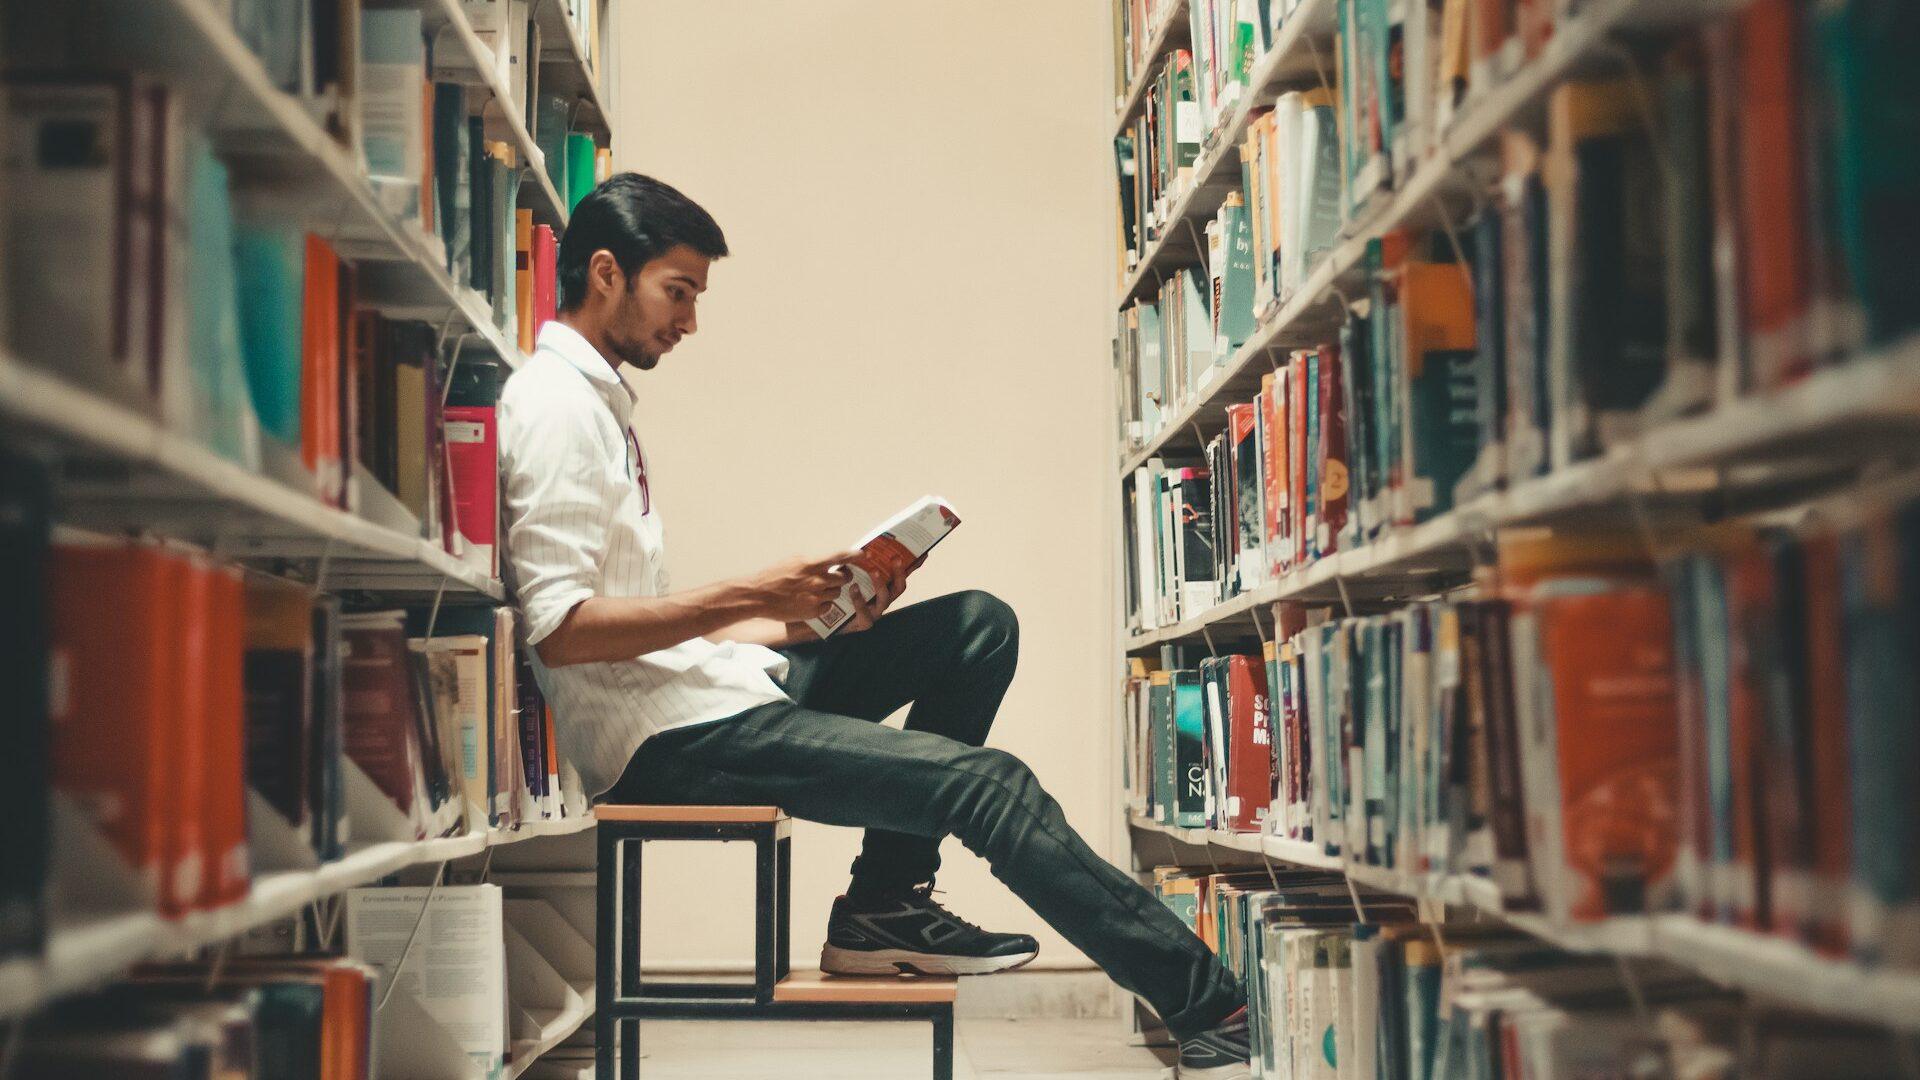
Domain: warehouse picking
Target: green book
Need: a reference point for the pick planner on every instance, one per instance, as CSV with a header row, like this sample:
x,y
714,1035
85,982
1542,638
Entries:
x,y
550,135
271,273
1236,285
580,152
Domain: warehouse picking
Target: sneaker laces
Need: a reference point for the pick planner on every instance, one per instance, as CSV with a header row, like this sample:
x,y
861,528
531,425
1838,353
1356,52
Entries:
x,y
925,893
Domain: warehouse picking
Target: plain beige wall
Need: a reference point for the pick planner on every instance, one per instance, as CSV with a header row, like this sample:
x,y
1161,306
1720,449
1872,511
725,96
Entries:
x,y
919,301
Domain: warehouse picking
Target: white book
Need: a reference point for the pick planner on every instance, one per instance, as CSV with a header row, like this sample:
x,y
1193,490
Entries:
x,y
442,952
895,545
393,67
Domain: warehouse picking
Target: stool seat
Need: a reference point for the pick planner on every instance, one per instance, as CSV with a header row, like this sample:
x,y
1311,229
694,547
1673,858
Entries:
x,y
867,989
701,815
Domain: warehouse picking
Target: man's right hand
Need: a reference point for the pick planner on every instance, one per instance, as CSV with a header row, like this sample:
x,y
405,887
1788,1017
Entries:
x,y
801,589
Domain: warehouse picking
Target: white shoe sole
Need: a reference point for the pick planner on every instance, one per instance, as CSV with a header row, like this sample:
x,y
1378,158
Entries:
x,y
1218,1072
838,961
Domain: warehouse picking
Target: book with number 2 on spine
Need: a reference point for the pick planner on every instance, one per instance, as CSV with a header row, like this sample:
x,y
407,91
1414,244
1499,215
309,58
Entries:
x,y
898,543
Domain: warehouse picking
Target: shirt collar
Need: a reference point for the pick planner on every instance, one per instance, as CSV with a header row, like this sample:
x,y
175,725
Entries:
x,y
568,344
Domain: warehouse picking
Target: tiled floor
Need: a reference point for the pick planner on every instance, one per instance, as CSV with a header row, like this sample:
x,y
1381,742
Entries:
x,y
988,1050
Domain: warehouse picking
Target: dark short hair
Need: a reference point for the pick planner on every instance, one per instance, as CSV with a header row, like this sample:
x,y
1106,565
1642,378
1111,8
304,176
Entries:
x,y
637,219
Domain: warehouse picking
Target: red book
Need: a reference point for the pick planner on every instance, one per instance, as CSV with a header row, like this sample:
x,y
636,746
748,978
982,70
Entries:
x,y
1333,452
1775,280
472,468
381,728
114,677
1297,454
188,885
545,301
1609,657
229,870
1250,738
320,369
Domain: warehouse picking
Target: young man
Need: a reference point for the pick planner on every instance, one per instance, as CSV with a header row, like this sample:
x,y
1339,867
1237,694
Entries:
x,y
720,694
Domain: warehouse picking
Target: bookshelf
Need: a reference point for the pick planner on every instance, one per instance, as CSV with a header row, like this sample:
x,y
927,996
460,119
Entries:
x,y
122,471
1814,442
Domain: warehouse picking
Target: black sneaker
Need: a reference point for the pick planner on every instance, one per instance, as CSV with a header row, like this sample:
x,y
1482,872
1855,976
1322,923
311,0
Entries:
x,y
1219,1053
914,934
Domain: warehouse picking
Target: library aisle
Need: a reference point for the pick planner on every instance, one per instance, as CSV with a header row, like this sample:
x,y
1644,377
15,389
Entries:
x,y
1453,466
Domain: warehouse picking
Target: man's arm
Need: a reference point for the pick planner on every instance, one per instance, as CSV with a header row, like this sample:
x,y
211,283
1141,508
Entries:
x,y
775,634
603,628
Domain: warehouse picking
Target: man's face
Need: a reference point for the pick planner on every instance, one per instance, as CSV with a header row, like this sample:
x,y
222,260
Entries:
x,y
656,310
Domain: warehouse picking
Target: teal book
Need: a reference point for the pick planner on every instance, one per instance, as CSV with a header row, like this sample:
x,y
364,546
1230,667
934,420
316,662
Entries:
x,y
218,407
1363,477
1310,514
1236,292
452,174
1153,380
1711,621
550,126
1865,48
271,277
1189,760
1446,428
1880,583
580,154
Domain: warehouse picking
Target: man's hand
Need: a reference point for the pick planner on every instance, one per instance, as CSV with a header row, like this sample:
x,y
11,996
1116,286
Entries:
x,y
888,588
801,589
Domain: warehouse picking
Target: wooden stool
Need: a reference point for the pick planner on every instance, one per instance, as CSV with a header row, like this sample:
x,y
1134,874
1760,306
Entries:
x,y
623,999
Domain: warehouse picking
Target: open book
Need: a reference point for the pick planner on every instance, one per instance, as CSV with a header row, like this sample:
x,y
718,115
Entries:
x,y
895,545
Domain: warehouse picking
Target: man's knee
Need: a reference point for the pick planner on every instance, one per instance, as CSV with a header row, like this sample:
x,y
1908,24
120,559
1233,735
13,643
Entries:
x,y
989,618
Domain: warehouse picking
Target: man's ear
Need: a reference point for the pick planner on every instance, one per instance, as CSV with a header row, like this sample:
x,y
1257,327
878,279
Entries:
x,y
604,274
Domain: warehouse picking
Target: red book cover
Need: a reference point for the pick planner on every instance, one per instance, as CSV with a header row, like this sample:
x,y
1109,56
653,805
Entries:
x,y
229,871
1250,738
114,695
1297,455
1274,470
379,708
346,391
473,470
189,885
320,367
1333,451
1610,661
1772,192
545,300
1830,800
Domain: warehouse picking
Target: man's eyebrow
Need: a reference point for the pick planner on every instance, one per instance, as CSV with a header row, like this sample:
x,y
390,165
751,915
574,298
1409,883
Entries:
x,y
688,278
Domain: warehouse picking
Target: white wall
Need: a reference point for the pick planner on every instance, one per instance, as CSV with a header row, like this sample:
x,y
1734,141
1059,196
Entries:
x,y
917,197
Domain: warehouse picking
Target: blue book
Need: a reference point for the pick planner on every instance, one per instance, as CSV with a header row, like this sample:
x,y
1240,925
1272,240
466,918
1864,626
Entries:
x,y
272,277
221,411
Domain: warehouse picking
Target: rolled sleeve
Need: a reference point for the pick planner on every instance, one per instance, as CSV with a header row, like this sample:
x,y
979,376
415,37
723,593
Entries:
x,y
560,502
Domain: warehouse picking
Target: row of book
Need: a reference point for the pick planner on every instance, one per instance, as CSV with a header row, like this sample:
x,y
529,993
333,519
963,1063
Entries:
x,y
197,725
1727,733
1345,987
1675,239
448,981
205,310
1271,494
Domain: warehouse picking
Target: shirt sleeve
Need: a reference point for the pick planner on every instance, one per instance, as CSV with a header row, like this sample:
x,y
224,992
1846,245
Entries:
x,y
560,502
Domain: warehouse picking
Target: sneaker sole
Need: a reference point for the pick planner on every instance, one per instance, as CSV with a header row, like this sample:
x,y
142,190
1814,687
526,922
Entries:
x,y
1235,1071
838,961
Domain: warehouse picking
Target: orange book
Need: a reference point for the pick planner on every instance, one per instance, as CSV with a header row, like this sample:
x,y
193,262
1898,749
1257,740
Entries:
x,y
1775,279
1609,662
1491,27
523,277
346,392
115,679
1272,406
190,591
427,221
229,872
320,367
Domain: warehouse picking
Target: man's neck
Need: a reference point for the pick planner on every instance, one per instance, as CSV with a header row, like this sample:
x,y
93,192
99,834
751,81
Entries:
x,y
593,334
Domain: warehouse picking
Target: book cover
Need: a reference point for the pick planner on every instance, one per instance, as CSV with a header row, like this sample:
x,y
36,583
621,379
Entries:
x,y
1189,750
472,439
893,547
1249,786
26,506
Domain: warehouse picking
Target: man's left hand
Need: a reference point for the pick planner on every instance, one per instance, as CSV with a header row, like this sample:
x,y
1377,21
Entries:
x,y
890,584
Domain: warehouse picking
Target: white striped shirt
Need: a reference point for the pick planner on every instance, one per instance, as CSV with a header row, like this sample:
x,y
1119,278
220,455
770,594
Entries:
x,y
578,526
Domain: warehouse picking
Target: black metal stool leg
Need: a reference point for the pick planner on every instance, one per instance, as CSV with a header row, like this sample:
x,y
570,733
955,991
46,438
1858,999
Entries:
x,y
783,928
630,1051
943,1044
766,915
630,867
606,885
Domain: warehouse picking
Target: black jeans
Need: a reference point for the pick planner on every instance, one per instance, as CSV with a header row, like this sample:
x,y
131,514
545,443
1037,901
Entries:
x,y
825,757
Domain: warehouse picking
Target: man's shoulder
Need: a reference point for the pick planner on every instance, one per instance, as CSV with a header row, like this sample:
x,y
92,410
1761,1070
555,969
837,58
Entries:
x,y
546,387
